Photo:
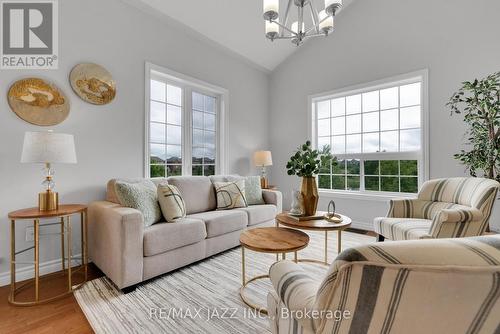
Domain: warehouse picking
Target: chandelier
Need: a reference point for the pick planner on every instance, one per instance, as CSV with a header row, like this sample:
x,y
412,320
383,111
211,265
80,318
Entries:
x,y
322,22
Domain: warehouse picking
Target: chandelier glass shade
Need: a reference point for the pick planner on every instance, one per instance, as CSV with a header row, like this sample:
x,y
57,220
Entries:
x,y
279,27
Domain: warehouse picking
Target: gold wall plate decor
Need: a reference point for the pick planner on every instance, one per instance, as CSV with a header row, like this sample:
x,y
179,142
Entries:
x,y
38,102
93,83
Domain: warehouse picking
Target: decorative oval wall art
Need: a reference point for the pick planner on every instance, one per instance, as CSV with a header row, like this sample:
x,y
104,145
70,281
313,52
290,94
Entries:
x,y
93,83
38,102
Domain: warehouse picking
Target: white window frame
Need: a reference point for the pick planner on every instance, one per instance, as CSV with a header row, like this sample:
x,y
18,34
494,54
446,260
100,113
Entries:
x,y
422,155
188,85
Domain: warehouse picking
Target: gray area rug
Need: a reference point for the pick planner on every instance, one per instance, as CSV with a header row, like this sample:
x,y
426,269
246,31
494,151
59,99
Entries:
x,y
201,298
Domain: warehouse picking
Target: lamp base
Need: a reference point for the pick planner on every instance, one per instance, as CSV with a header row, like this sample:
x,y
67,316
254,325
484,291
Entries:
x,y
48,201
264,183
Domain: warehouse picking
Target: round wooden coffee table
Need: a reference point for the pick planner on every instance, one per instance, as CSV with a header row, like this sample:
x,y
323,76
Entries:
x,y
274,240
316,225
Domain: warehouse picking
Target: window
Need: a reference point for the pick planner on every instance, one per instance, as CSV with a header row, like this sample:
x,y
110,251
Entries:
x,y
184,131
377,134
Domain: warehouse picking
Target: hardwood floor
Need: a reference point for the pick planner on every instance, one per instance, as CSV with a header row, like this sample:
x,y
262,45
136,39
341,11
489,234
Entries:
x,y
60,316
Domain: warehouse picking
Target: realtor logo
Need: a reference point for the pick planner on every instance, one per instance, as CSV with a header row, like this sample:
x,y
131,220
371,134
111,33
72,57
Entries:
x,y
29,34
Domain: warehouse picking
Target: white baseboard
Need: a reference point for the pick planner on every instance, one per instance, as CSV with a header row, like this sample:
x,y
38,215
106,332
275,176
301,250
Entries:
x,y
28,272
362,225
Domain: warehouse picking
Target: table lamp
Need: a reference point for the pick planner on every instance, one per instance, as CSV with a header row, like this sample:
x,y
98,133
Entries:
x,y
48,148
263,159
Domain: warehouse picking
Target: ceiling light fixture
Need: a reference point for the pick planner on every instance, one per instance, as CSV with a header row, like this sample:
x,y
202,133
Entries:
x,y
297,33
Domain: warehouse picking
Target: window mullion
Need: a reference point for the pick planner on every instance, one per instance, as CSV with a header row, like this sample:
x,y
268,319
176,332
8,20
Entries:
x,y
187,130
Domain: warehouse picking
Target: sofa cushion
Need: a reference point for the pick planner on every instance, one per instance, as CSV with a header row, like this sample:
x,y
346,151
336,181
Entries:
x,y
197,191
259,213
222,222
110,187
163,237
402,228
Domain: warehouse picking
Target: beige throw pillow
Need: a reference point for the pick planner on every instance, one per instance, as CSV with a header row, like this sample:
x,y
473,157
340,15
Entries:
x,y
172,204
230,195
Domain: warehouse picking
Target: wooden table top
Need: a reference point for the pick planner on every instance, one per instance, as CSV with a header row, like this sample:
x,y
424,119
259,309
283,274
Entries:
x,y
34,213
316,224
274,239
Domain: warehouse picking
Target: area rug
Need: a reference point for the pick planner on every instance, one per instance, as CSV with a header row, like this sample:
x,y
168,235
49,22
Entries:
x,y
200,298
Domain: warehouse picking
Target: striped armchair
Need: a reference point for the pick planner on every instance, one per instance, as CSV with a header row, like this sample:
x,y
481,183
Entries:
x,y
445,208
426,286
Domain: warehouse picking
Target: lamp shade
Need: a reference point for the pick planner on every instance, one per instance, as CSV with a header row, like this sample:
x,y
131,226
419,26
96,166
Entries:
x,y
48,147
263,158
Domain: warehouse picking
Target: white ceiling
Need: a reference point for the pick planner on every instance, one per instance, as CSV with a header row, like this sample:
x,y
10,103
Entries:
x,y
237,25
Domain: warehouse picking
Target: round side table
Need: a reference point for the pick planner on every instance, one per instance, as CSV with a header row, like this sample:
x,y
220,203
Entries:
x,y
316,225
63,213
275,240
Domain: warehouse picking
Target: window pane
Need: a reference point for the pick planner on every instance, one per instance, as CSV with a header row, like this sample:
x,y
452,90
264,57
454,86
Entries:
x,y
157,112
338,107
174,155
370,101
325,169
353,124
174,115
409,184
370,122
157,132
409,167
157,171
338,125
197,170
209,121
409,95
371,167
323,109
389,141
209,157
410,117
372,183
338,144
324,127
370,142
197,119
322,142
389,120
198,155
353,143
389,167
389,184
174,95
353,104
157,153
353,183
338,182
209,170
410,140
174,134
197,101
198,138
209,139
339,167
389,98
210,104
174,170
158,91
353,166
324,181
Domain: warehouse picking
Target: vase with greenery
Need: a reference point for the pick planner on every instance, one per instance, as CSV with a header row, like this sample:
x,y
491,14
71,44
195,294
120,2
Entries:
x,y
306,163
479,102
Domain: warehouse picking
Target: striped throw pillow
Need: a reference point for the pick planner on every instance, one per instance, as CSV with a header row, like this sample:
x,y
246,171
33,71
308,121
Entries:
x,y
171,203
230,195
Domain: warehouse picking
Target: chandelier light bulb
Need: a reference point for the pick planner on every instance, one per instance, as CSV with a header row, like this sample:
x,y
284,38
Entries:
x,y
326,22
271,9
332,7
272,30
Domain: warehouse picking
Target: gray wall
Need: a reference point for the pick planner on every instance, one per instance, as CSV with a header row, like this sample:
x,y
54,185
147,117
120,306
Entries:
x,y
373,40
110,139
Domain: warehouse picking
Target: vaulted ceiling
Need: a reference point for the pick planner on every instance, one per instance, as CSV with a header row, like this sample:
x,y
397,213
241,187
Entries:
x,y
237,25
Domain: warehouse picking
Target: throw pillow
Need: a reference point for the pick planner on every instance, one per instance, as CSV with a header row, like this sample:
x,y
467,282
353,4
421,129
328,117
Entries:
x,y
171,203
230,195
253,190
142,196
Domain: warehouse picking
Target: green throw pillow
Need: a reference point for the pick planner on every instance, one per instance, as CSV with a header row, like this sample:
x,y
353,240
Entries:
x,y
253,191
141,196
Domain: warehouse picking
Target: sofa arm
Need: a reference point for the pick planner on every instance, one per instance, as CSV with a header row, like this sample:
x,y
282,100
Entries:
x,y
444,224
273,197
116,242
296,292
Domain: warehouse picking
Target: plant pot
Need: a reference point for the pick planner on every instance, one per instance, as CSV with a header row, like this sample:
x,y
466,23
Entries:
x,y
310,195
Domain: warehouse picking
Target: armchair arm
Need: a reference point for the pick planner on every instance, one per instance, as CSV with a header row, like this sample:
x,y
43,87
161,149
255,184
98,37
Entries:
x,y
296,291
273,197
451,223
116,242
404,208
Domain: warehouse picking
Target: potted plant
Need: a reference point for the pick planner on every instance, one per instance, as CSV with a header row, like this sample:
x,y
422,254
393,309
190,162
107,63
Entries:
x,y
306,163
479,102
